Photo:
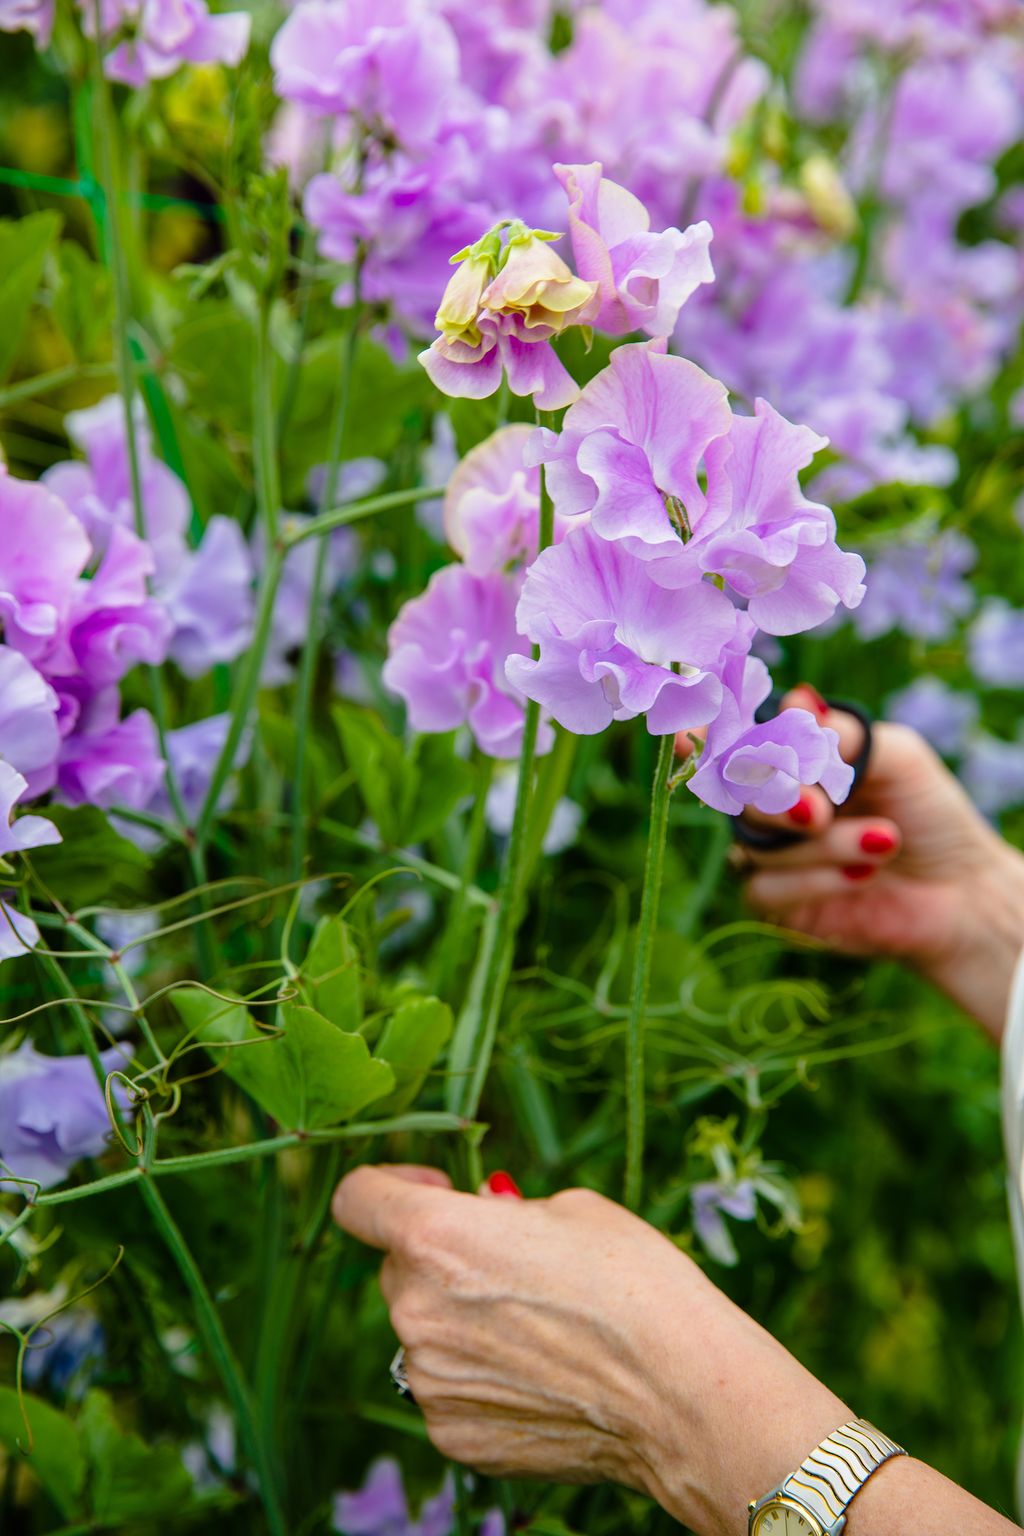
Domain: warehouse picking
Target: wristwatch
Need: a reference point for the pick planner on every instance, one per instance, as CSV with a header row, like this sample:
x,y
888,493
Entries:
x,y
814,1499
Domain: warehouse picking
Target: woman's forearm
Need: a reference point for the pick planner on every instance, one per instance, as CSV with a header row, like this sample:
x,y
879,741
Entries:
x,y
760,1414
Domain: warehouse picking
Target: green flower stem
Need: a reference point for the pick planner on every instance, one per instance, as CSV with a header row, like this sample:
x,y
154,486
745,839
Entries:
x,y
635,1076
311,646
55,378
477,1029
107,169
405,858
264,426
448,956
252,665
89,941
221,1353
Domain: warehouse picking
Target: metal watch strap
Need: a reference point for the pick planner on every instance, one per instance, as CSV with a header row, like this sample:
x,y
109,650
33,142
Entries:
x,y
838,1468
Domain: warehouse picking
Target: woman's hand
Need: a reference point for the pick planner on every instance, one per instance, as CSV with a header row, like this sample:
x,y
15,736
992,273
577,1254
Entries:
x,y
567,1339
906,868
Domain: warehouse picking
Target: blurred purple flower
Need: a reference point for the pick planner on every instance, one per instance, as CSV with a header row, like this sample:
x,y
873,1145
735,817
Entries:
x,y
29,737
27,831
52,1112
643,279
712,1202
193,751
391,63
33,16
993,773
99,491
209,599
66,1353
114,623
446,658
18,933
380,1508
609,637
492,506
43,552
937,712
996,644
114,763
164,34
918,586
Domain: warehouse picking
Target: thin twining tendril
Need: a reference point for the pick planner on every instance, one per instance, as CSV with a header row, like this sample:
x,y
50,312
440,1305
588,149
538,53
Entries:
x,y
137,1097
24,1342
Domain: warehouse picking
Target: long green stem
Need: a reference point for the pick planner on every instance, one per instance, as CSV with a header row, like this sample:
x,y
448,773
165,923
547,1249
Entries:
x,y
635,1073
311,645
477,1028
451,944
355,511
264,427
221,1353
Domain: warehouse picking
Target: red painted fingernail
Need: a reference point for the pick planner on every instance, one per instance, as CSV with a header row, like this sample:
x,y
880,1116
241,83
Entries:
x,y
818,704
504,1184
858,871
803,812
877,840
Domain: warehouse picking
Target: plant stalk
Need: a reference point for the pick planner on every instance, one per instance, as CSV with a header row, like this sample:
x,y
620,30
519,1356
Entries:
x,y
635,1067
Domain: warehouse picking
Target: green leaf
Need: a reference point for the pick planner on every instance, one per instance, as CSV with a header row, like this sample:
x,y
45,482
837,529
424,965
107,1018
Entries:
x,y
441,780
24,244
130,1480
93,863
82,299
56,1455
331,978
330,1075
312,1076
413,1038
379,764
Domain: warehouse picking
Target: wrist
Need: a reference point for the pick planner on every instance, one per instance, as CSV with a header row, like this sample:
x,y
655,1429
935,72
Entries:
x,y
730,1414
977,969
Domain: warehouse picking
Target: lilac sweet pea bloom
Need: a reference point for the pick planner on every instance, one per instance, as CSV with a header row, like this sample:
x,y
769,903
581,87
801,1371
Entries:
x,y
114,623
446,658
27,831
629,454
609,637
918,586
643,279
193,751
33,16
993,773
18,933
764,765
42,555
29,736
996,644
392,63
52,1112
165,34
380,1508
775,548
937,712
492,505
209,599
714,1200
115,764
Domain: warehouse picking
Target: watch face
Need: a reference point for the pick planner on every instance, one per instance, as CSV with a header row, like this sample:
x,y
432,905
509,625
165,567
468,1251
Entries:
x,y
783,1519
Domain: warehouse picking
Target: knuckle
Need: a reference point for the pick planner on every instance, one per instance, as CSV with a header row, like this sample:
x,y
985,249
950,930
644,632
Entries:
x,y
578,1201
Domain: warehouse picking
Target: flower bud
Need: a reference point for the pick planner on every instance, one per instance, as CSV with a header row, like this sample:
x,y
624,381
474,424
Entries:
x,y
827,197
459,308
535,285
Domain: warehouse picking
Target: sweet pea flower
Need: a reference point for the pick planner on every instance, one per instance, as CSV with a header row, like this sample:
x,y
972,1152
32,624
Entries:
x,y
630,452
714,1200
165,34
459,310
534,289
610,639
492,504
643,279
32,16
209,599
43,552
391,63
28,831
917,584
996,644
993,773
380,1508
52,1113
114,623
773,546
18,933
29,735
446,658
937,712
116,764
764,764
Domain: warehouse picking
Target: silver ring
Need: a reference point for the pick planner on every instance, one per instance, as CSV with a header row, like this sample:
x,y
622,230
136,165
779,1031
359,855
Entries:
x,y
399,1376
